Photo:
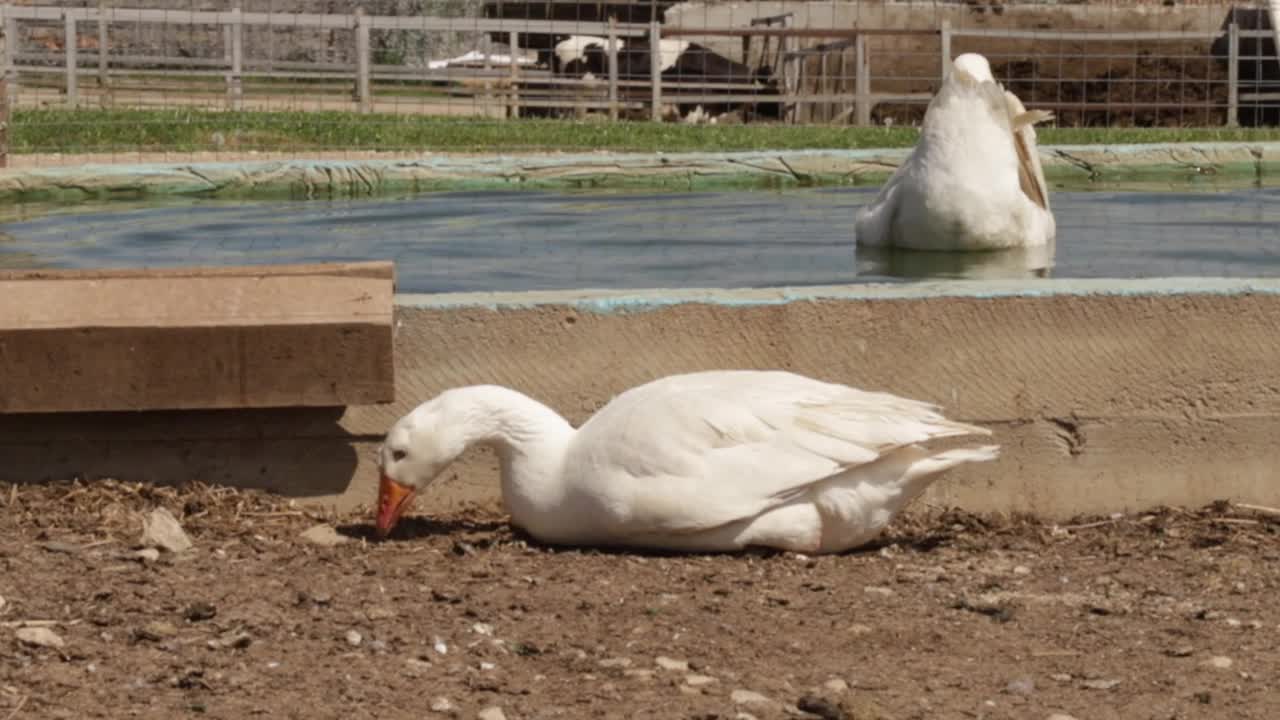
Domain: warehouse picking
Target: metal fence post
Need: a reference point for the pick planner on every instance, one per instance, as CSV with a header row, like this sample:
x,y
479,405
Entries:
x,y
362,61
655,69
613,67
235,81
69,51
1233,75
862,81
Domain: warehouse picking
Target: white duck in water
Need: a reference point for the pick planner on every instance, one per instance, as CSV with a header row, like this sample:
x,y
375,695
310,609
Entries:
x,y
709,461
973,181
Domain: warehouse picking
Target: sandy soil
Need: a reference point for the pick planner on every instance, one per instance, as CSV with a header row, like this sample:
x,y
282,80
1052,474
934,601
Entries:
x,y
1170,614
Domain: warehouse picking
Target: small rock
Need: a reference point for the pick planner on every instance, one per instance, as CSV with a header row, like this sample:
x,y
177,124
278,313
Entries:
x,y
354,638
1101,684
698,680
1180,651
417,665
745,716
3,602
482,629
232,639
881,591
671,664
161,529
380,613
323,535
438,645
155,631
1021,686
836,685
487,665
748,697
491,713
146,555
1061,716
638,673
378,645
197,612
822,707
859,629
1219,662
618,662
441,705
1021,570
1061,677
40,637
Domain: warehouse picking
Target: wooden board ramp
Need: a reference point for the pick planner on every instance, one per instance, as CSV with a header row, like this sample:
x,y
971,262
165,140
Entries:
x,y
196,338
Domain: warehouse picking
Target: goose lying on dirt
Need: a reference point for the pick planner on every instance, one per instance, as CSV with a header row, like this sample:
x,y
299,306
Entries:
x,y
708,461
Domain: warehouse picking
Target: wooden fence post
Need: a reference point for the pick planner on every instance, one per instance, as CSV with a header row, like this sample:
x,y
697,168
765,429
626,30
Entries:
x,y
1233,75
362,61
514,48
104,41
862,80
613,67
946,49
235,81
69,51
655,69
11,47
7,41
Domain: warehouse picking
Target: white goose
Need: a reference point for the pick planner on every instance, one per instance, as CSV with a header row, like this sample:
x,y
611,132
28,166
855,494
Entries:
x,y
709,461
973,181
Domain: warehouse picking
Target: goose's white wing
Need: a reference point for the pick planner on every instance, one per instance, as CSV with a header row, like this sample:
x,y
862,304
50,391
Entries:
x,y
692,452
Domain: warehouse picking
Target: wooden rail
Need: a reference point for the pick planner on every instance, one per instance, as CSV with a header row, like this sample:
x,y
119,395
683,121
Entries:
x,y
512,84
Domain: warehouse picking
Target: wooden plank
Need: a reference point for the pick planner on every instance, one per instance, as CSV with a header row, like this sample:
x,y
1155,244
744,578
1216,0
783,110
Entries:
x,y
196,338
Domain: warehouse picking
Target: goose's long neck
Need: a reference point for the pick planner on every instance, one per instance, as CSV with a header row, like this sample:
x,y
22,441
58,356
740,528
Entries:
x,y
531,440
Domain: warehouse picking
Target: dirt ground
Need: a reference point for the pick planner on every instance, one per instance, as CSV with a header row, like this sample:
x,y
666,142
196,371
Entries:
x,y
1169,614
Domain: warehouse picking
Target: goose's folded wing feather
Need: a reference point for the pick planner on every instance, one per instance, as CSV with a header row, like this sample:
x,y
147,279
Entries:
x,y
1030,172
721,447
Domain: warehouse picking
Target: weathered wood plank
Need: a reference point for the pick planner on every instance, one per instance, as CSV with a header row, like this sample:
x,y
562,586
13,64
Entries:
x,y
271,336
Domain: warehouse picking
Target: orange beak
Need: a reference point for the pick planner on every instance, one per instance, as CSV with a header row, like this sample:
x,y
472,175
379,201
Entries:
x,y
393,500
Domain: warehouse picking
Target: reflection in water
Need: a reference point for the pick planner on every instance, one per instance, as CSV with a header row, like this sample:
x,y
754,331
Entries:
x,y
1012,264
11,259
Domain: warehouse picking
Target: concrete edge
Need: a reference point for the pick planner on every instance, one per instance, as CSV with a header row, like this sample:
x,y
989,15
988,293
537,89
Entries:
x,y
1064,164
620,301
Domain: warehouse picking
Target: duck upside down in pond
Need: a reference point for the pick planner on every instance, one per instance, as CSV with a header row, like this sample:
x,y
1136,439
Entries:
x,y
708,461
973,181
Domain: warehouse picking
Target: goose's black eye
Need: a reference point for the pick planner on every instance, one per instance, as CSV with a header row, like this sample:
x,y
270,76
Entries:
x,y
397,455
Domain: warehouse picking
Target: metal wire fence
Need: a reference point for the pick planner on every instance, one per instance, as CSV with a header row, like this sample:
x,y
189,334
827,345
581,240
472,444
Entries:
x,y
81,77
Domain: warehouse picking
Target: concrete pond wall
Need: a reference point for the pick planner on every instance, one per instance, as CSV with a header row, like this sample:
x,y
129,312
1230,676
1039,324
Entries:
x,y
1105,395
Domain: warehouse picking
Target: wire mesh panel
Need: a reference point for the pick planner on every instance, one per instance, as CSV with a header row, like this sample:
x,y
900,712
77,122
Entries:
x,y
111,77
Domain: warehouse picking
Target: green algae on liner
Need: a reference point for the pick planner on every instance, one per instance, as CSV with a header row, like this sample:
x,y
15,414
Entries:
x,y
1067,167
